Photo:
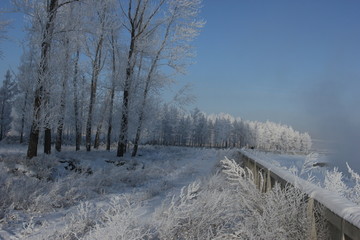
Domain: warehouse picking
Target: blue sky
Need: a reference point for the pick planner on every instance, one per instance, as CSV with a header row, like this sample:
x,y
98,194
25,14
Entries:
x,y
293,62
272,60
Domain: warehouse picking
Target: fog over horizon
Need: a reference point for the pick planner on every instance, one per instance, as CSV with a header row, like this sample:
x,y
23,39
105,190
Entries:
x,y
333,107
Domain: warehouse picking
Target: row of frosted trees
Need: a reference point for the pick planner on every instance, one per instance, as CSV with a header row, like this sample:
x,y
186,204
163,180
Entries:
x,y
164,125
175,127
93,64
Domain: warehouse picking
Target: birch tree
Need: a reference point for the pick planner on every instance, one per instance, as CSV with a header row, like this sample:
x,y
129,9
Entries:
x,y
179,27
144,19
103,18
7,92
25,83
43,17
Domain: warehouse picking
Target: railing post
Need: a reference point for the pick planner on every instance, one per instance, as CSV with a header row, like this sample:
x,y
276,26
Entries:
x,y
342,229
268,181
256,180
311,217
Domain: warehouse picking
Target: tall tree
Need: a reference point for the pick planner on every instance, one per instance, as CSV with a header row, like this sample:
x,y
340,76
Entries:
x,y
101,22
139,16
77,112
47,22
7,91
25,80
179,17
64,88
51,10
114,75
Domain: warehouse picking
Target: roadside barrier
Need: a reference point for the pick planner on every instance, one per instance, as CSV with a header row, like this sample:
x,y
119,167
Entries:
x,y
343,216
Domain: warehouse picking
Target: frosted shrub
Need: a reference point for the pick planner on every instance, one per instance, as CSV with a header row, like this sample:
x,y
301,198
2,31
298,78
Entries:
x,y
232,208
334,182
122,221
203,210
277,214
354,193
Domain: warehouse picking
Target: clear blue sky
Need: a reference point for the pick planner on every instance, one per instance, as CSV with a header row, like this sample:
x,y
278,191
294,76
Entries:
x,y
290,61
294,62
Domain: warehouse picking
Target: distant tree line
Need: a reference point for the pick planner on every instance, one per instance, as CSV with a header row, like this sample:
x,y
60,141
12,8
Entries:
x,y
175,127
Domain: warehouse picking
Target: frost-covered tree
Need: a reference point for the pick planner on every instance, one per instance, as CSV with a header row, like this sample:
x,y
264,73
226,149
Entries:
x,y
7,92
179,27
43,21
165,25
100,23
25,80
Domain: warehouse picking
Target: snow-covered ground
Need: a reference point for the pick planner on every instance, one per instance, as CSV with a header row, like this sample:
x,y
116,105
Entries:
x,y
90,183
164,193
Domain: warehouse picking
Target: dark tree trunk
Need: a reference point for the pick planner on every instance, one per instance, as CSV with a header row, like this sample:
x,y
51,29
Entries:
x,y
47,141
94,78
125,109
23,117
33,142
108,140
112,92
47,133
76,103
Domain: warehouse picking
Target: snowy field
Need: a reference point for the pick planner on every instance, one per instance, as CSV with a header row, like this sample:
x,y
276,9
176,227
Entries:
x,y
165,193
43,200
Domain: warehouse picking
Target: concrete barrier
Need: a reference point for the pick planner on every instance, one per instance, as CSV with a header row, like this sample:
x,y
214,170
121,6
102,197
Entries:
x,y
340,226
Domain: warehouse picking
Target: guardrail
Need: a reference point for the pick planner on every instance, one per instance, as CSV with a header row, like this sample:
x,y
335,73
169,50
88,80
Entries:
x,y
343,216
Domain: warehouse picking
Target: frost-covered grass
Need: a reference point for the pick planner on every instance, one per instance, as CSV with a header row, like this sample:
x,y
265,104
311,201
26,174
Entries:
x,y
166,193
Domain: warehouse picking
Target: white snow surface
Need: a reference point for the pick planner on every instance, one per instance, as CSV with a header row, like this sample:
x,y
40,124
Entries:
x,y
339,205
158,172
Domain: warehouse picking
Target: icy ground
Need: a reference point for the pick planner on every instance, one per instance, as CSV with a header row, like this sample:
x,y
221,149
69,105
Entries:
x,y
53,196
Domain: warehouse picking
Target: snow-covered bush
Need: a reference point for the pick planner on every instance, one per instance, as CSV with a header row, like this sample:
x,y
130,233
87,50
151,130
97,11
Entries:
x,y
335,182
203,210
355,189
277,214
216,208
122,221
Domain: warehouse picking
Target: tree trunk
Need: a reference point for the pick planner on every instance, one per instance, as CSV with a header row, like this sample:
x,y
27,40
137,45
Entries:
x,y
47,135
94,78
112,92
125,106
47,141
111,105
23,117
76,103
99,127
59,136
